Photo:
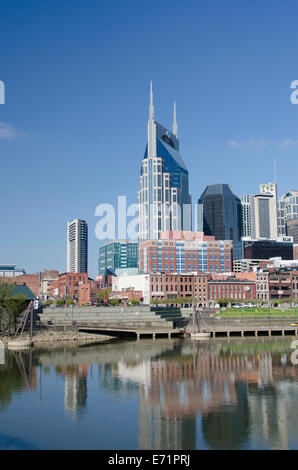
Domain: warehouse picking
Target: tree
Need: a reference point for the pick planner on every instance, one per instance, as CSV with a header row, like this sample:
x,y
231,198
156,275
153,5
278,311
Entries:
x,y
104,293
16,304
11,306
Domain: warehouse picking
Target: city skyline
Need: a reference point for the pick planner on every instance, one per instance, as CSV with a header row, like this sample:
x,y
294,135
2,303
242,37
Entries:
x,y
233,103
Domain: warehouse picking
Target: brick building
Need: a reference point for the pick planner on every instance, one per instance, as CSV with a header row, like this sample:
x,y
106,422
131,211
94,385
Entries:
x,y
68,284
36,282
261,278
164,286
127,295
185,252
295,285
89,291
280,284
241,290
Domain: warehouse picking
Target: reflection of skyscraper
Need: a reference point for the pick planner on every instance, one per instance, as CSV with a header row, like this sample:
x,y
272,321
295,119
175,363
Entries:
x,y
228,428
75,391
158,431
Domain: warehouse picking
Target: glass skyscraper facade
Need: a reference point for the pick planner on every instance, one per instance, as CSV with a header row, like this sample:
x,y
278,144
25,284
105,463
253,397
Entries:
x,y
247,202
163,198
117,254
220,213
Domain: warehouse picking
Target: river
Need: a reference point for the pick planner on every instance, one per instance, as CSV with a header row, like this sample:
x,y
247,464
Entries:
x,y
151,394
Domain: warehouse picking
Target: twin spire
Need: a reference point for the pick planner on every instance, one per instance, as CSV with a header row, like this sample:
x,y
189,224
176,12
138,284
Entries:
x,y
151,112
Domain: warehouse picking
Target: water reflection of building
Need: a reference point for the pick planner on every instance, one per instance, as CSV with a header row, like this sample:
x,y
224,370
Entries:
x,y
215,395
75,389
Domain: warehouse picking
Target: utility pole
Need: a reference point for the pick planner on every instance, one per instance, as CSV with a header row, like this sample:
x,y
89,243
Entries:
x,y
31,320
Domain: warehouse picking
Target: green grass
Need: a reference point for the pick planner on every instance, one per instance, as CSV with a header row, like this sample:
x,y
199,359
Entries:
x,y
258,312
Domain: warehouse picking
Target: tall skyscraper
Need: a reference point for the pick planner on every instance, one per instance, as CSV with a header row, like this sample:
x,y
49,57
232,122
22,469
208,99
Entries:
x,y
247,215
287,209
163,198
77,246
265,212
220,213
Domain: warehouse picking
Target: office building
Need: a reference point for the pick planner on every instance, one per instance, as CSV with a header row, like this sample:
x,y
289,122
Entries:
x,y
287,210
263,249
118,255
77,246
247,215
265,212
292,229
172,253
220,213
163,198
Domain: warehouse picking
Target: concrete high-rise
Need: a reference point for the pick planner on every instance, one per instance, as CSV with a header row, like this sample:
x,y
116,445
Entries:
x,y
247,215
163,198
265,212
77,246
220,213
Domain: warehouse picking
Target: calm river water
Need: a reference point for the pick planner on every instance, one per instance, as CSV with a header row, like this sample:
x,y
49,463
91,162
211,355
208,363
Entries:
x,y
151,394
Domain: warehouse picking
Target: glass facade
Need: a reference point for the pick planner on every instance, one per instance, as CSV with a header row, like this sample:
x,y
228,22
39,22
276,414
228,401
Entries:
x,y
163,198
222,212
117,255
267,249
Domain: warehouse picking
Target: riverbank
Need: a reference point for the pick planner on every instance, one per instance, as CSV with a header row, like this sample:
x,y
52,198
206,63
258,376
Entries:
x,y
59,337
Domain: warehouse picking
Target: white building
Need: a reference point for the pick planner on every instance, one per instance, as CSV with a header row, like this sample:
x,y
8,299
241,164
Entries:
x,y
139,282
265,212
77,246
10,270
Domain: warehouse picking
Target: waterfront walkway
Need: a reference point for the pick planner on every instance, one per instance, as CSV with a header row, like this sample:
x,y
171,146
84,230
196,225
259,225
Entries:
x,y
141,322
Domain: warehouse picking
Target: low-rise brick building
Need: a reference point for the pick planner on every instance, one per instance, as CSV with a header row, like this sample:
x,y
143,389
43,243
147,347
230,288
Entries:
x,y
165,286
240,290
68,284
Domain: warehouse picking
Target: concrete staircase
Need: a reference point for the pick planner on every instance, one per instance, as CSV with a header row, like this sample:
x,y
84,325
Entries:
x,y
140,317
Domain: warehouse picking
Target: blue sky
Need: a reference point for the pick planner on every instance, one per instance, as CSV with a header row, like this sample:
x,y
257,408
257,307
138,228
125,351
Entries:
x,y
73,127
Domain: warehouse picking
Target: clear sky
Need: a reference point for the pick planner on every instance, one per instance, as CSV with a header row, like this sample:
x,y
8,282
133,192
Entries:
x,y
73,126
